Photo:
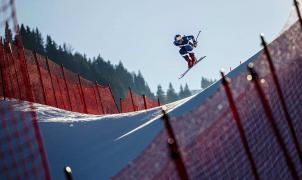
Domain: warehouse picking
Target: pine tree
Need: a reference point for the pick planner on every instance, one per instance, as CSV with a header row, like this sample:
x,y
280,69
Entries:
x,y
95,69
8,33
161,94
206,82
187,91
181,92
171,94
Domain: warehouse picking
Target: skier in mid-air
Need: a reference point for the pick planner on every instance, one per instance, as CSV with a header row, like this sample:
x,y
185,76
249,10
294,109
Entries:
x,y
186,44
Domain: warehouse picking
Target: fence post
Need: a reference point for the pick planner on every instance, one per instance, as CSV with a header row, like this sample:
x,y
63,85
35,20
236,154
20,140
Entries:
x,y
145,101
69,100
82,92
282,99
97,89
10,87
40,76
68,173
173,147
296,3
2,70
225,83
60,91
96,99
2,82
53,88
14,65
272,121
113,97
121,105
24,70
131,95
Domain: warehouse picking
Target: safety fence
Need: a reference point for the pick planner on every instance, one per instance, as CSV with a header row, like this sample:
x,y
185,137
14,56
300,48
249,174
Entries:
x,y
53,85
247,128
22,154
134,102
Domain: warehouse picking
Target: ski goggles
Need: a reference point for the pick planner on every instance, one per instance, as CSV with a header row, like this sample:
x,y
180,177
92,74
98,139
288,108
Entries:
x,y
178,38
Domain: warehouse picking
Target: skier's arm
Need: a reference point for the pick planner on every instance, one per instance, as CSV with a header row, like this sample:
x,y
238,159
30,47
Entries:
x,y
191,37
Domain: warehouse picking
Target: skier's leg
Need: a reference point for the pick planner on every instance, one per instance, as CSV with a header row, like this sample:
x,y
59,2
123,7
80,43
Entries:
x,y
185,55
187,58
189,50
192,56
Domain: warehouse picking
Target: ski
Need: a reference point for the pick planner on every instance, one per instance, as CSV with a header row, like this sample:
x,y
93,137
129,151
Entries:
x,y
183,74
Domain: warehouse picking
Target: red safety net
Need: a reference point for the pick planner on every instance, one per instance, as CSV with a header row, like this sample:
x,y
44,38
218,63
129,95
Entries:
x,y
50,84
21,149
209,141
134,102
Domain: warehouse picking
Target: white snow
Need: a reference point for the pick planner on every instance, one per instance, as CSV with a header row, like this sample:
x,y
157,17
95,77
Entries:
x,y
98,147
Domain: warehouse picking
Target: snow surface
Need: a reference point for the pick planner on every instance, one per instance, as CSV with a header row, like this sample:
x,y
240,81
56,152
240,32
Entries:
x,y
98,147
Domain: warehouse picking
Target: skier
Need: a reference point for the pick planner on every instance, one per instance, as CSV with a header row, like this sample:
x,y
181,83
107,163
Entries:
x,y
186,48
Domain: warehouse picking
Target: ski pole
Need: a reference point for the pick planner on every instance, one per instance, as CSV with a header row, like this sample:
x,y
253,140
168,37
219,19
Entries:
x,y
198,35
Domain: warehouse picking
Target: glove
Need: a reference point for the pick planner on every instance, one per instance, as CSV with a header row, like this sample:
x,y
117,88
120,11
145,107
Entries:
x,y
195,43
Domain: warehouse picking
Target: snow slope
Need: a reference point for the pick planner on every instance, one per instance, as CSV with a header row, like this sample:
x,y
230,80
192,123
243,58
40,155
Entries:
x,y
100,146
95,146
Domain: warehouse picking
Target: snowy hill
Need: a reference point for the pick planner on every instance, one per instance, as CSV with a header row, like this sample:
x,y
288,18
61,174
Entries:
x,y
101,146
133,145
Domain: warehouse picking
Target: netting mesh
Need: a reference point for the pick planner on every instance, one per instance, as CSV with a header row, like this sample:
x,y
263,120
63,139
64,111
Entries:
x,y
50,83
20,150
209,139
134,102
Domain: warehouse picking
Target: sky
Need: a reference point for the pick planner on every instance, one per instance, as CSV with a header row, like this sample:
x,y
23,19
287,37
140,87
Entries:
x,y
140,33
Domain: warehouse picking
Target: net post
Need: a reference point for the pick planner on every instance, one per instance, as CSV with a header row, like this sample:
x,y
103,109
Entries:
x,y
113,97
158,101
121,105
131,95
269,114
7,75
60,91
145,101
296,3
2,71
66,86
174,148
24,69
288,118
96,98
98,92
51,81
225,82
82,92
68,173
40,76
14,65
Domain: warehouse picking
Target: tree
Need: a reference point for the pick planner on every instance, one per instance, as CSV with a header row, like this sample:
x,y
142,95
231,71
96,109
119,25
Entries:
x,y
206,82
8,33
161,94
93,69
187,91
181,92
171,94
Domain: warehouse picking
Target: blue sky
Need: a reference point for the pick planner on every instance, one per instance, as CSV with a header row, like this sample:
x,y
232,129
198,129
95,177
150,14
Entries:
x,y
140,33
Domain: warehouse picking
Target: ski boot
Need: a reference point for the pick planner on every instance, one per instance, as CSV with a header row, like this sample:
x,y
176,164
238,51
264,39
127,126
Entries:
x,y
193,58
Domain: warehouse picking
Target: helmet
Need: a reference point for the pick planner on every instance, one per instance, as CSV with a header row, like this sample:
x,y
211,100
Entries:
x,y
177,37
